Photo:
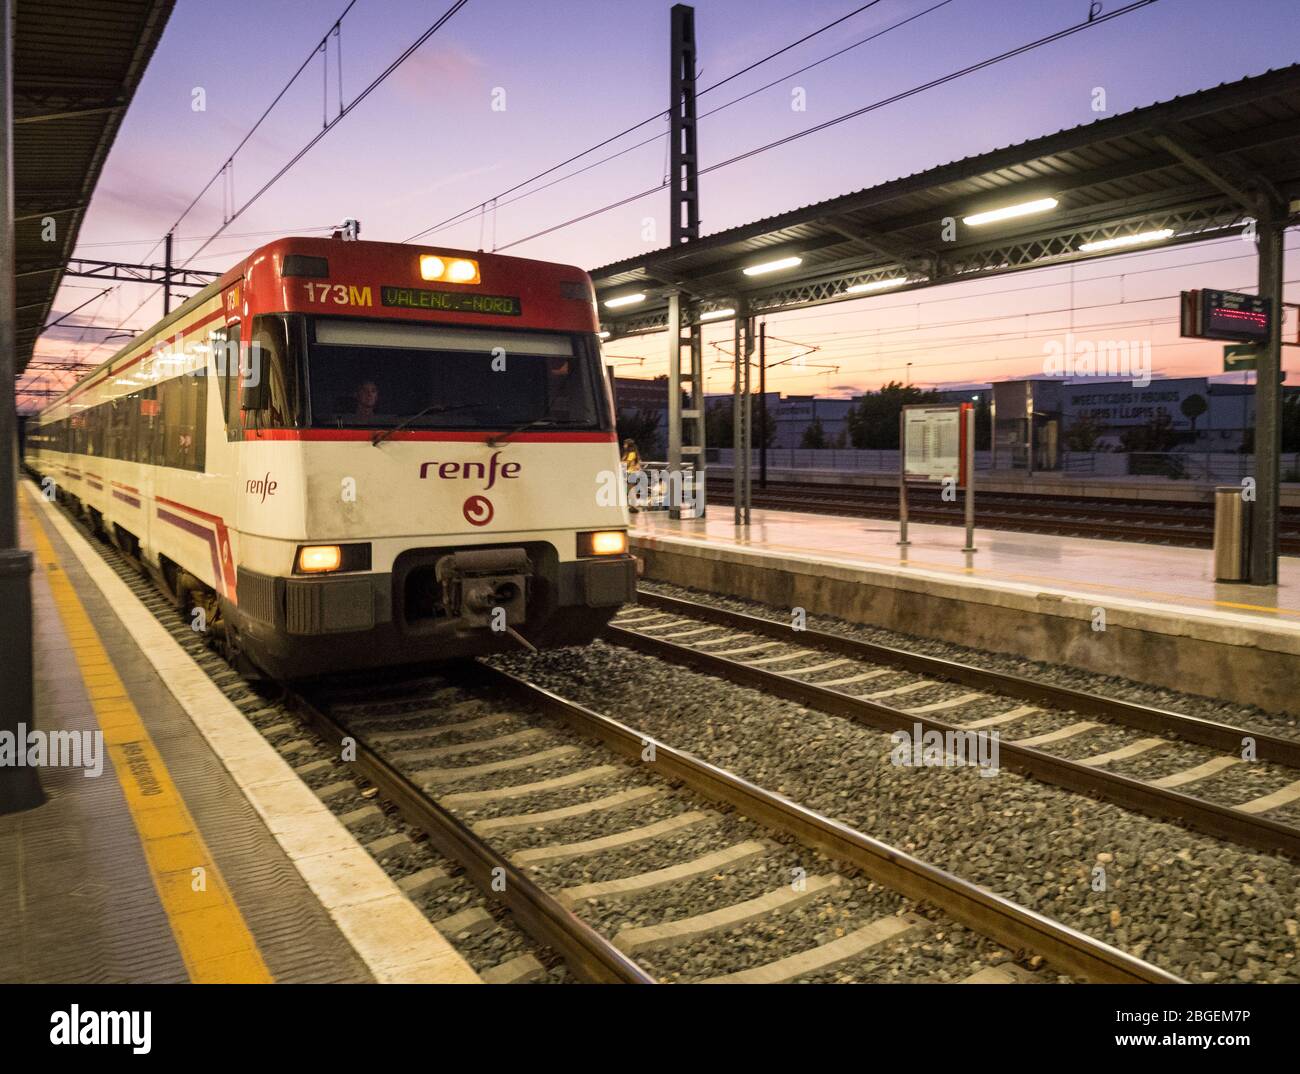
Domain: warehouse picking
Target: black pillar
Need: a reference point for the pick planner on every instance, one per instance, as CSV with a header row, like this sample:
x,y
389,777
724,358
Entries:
x,y
1264,543
762,405
19,787
167,274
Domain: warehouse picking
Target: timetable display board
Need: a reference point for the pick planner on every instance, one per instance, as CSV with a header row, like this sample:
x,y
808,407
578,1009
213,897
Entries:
x,y
1226,315
933,437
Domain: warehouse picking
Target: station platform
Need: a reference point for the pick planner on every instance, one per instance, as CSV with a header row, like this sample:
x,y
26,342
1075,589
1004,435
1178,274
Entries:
x,y
1150,613
175,845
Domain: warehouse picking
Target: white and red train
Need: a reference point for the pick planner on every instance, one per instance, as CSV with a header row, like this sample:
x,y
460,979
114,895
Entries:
x,y
359,454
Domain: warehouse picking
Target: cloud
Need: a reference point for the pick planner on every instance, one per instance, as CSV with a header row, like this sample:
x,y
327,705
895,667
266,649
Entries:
x,y
445,68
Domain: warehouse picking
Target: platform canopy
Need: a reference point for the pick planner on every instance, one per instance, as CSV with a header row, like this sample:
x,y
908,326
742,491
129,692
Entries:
x,y
1201,166
76,67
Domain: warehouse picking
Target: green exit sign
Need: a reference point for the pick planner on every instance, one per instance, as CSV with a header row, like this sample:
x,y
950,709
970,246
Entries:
x,y
1239,357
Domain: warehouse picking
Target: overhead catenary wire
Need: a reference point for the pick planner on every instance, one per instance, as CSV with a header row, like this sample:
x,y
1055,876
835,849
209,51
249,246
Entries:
x,y
466,215
854,114
469,212
196,238
373,85
441,21
227,166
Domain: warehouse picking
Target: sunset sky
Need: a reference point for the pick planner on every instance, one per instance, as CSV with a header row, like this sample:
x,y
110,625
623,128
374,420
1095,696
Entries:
x,y
427,144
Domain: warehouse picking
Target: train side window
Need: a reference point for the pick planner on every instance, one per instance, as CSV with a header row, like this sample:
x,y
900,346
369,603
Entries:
x,y
131,427
272,399
182,401
116,419
146,433
226,356
197,390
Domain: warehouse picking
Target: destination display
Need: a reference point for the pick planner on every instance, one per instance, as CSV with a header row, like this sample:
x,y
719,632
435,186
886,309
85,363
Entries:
x,y
1226,315
1230,313
416,298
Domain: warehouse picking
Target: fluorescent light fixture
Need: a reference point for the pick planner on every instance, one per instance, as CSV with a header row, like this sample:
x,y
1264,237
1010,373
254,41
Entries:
x,y
773,266
624,300
875,285
715,315
1126,240
1008,212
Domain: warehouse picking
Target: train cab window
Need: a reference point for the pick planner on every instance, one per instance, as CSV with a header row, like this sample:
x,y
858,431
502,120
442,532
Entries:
x,y
226,359
381,374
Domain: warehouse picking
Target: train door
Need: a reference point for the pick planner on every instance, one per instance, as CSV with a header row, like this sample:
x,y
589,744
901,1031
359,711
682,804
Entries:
x,y
225,428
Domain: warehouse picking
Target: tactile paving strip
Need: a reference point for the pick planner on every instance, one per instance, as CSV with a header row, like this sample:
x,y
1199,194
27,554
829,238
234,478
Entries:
x,y
297,939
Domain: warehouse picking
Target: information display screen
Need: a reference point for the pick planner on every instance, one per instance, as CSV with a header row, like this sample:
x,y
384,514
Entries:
x,y
1228,315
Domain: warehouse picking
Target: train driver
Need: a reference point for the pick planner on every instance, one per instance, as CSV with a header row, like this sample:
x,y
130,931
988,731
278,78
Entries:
x,y
367,397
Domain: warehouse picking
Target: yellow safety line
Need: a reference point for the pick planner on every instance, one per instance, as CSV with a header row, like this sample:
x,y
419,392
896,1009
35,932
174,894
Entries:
x,y
210,932
1171,599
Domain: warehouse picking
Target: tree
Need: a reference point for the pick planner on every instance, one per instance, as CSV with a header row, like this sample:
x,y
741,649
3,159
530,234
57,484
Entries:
x,y
1193,407
1083,435
814,436
1147,446
873,423
719,425
642,427
1156,435
1291,421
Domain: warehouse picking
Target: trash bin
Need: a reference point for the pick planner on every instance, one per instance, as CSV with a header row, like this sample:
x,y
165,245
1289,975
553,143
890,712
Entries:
x,y
1231,534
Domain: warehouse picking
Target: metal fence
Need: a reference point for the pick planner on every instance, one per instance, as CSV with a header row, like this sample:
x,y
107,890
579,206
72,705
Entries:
x,y
1206,466
857,460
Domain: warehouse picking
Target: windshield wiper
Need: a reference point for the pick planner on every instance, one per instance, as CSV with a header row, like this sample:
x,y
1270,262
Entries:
x,y
432,408
496,439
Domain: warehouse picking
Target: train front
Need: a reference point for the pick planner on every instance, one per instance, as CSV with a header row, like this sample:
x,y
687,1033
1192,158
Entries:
x,y
428,467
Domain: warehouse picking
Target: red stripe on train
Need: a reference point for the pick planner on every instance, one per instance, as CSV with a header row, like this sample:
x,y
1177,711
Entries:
x,y
221,553
467,437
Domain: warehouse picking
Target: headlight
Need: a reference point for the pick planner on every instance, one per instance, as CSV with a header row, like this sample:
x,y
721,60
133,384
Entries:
x,y
449,270
317,558
602,543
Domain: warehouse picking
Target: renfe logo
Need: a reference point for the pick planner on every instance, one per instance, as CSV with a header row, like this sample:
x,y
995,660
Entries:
x,y
486,471
262,486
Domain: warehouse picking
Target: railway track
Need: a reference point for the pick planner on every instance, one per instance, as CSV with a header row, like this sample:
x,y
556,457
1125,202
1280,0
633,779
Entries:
x,y
598,839
1185,524
1132,755
471,791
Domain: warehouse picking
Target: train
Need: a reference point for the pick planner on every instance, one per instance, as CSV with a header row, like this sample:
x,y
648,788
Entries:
x,y
344,455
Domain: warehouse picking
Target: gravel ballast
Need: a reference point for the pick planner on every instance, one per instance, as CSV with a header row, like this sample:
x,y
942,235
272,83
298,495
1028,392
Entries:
x,y
1203,909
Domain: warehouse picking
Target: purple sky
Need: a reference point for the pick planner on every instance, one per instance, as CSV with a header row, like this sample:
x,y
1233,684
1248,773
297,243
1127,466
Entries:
x,y
428,144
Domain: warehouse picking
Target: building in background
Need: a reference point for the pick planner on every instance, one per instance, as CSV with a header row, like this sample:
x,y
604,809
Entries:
x,y
1178,414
